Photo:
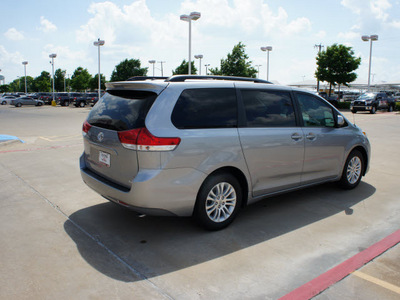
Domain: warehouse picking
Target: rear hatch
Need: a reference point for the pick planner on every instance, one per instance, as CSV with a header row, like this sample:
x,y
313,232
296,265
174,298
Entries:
x,y
119,111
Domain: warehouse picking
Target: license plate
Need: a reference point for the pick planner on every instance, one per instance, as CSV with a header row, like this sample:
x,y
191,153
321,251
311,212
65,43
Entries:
x,y
105,158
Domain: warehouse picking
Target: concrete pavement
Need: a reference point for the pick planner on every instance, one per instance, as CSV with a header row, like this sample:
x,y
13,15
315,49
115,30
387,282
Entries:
x,y
61,240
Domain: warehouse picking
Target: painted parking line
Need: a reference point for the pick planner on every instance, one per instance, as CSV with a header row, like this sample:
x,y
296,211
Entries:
x,y
58,138
38,149
384,284
324,281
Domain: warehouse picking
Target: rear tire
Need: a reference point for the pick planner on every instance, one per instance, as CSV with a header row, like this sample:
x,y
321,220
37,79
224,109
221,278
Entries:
x,y
3,103
218,201
82,104
390,108
353,170
18,105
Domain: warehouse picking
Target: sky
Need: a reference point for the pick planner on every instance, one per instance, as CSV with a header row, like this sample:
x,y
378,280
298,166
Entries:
x,y
30,30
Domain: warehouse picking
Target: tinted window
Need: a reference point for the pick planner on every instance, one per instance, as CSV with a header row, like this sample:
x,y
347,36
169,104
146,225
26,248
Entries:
x,y
315,112
121,110
205,108
268,108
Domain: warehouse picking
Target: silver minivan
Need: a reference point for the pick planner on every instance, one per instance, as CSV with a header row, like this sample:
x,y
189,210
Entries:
x,y
205,147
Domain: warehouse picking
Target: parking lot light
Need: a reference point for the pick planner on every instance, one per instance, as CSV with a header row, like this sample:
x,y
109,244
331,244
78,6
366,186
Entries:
x,y
153,62
53,56
370,38
99,43
268,49
188,18
199,56
207,66
25,63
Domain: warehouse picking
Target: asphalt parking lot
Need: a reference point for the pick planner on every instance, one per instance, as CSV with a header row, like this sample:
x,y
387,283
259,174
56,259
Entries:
x,y
60,240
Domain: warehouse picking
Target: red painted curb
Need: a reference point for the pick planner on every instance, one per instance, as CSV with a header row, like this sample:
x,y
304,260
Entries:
x,y
322,282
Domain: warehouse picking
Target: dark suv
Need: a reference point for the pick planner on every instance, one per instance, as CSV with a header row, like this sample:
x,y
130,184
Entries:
x,y
203,147
372,102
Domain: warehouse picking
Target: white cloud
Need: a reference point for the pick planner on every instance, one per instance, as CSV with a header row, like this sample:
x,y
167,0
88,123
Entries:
x,y
14,35
350,35
6,57
46,25
321,34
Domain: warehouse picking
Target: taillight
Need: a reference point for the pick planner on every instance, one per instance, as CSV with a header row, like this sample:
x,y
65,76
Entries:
x,y
142,140
85,128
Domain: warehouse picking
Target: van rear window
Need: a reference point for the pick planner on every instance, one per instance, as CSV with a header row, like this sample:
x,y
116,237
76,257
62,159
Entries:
x,y
122,109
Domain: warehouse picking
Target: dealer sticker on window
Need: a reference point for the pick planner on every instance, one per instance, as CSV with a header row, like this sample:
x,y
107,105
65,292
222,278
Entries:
x,y
105,158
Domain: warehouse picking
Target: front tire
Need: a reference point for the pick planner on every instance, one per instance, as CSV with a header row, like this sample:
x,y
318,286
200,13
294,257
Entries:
x,y
18,105
373,110
390,108
352,171
218,201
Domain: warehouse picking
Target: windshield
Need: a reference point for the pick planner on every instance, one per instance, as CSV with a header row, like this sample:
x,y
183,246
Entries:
x,y
367,96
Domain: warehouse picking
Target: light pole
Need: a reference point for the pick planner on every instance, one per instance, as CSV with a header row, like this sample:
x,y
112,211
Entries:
x,y
207,65
268,49
53,56
371,38
64,73
320,46
188,18
99,43
153,62
25,63
258,70
162,71
199,56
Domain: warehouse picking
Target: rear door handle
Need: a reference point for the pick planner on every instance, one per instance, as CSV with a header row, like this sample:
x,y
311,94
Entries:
x,y
296,137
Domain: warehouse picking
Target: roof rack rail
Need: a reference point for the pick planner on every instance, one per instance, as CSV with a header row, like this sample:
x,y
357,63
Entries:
x,y
182,78
141,78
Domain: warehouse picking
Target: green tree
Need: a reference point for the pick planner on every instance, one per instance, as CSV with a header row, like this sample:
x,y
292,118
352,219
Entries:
x,y
80,79
94,82
42,82
59,76
336,65
29,83
126,69
236,64
4,88
183,68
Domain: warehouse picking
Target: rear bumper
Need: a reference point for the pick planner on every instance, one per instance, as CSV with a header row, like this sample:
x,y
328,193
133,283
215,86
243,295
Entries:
x,y
154,192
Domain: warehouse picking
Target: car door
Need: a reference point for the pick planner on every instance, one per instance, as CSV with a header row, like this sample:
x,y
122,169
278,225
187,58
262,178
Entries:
x,y
324,142
272,143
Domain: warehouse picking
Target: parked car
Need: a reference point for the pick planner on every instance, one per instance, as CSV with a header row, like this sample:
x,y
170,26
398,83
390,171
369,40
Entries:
x,y
85,99
7,99
331,99
185,146
18,102
372,102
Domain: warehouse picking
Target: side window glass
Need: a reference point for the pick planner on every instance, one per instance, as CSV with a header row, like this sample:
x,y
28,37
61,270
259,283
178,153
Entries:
x,y
268,108
205,108
315,112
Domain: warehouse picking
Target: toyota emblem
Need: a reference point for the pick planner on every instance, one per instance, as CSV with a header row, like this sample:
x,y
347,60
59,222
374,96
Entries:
x,y
100,137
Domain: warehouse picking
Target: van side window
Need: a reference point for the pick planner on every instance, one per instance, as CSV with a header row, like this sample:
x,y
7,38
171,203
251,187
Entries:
x,y
268,108
206,108
315,112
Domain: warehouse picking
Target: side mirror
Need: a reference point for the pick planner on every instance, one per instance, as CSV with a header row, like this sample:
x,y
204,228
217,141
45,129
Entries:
x,y
340,121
